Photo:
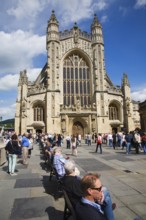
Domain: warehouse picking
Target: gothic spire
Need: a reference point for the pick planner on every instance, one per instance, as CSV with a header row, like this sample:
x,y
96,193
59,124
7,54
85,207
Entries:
x,y
125,80
53,18
23,79
95,21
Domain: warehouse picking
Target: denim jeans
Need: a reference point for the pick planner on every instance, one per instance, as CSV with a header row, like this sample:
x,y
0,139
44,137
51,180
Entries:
x,y
100,145
128,146
12,162
110,143
108,211
144,148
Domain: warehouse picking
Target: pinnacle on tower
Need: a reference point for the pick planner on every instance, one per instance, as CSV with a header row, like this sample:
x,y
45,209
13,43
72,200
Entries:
x,y
23,79
95,21
53,18
75,25
125,80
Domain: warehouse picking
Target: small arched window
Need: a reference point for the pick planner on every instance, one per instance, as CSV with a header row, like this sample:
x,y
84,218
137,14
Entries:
x,y
113,112
38,113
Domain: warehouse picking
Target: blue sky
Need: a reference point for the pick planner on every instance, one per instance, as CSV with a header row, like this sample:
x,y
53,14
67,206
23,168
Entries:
x,y
23,26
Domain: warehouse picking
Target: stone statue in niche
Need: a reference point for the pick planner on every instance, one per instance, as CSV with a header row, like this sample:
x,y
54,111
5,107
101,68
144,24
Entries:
x,y
78,104
94,105
128,108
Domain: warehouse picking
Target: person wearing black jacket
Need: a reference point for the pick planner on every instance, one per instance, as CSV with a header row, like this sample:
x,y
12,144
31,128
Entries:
x,y
12,148
71,183
87,208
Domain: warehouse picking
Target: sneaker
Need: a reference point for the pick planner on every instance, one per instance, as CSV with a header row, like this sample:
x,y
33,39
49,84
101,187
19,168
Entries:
x,y
113,206
13,174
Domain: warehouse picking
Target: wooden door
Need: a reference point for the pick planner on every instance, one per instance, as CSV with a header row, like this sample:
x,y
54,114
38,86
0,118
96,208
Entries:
x,y
78,129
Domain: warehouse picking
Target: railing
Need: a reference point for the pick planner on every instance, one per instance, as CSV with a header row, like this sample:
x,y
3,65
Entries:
x,y
68,34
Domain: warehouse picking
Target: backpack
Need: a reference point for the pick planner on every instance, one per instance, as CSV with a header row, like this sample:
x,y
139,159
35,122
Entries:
x,y
99,140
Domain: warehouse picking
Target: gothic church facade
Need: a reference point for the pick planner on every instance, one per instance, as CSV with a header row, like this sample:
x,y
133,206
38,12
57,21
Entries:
x,y
73,93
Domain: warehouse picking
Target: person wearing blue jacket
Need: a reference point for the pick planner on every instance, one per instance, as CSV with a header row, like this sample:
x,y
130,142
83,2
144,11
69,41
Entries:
x,y
25,144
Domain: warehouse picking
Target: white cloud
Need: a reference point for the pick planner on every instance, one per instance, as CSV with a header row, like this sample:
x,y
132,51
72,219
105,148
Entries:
x,y
140,4
18,50
10,81
33,73
73,10
8,112
30,14
139,94
1,101
27,10
103,19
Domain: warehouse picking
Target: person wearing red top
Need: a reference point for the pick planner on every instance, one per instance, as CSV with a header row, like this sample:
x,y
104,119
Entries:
x,y
143,140
99,143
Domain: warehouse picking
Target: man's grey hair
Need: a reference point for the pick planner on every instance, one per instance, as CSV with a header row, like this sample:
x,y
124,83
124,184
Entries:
x,y
69,167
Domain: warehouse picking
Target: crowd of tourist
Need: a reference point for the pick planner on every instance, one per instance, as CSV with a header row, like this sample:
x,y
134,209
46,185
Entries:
x,y
23,144
66,170
88,197
122,140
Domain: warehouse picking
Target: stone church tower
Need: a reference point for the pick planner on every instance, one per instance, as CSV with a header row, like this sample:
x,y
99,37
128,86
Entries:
x,y
73,93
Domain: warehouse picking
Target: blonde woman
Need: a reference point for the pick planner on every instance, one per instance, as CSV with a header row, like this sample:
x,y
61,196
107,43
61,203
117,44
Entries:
x,y
74,145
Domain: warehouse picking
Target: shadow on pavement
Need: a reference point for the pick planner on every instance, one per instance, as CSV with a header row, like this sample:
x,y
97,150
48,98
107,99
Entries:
x,y
54,214
51,187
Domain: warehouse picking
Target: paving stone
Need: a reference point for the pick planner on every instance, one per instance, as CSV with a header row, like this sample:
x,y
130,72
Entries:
x,y
127,189
27,176
38,192
133,199
139,208
7,184
6,204
22,183
26,208
92,165
15,193
124,213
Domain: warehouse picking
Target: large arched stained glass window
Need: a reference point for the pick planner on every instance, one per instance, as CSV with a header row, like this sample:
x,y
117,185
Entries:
x,y
76,80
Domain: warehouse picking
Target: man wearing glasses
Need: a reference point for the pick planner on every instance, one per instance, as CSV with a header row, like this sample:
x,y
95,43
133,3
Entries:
x,y
91,206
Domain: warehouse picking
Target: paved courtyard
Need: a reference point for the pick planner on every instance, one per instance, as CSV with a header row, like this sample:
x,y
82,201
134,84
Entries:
x,y
31,196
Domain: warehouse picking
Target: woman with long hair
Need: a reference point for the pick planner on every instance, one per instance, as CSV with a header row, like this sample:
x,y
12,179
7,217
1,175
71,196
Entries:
x,y
12,149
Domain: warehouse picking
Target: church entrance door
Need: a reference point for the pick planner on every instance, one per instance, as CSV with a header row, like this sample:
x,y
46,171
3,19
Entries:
x,y
78,129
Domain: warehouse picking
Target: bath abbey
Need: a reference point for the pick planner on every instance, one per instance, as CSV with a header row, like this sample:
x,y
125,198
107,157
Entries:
x,y
73,93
